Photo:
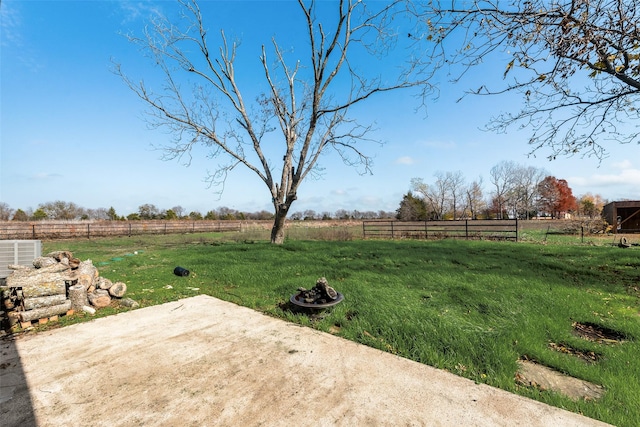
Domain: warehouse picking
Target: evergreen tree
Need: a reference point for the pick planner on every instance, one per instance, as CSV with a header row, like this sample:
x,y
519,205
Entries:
x,y
411,209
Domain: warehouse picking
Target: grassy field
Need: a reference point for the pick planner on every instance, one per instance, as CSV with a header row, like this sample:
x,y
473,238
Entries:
x,y
471,307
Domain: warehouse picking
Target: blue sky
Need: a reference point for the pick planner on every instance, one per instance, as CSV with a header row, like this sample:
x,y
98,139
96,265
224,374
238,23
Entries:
x,y
71,130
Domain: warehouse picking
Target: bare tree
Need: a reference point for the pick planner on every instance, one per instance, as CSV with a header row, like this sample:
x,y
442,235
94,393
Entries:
x,y
297,216
444,195
342,214
502,177
523,194
575,62
435,195
475,198
226,213
179,211
62,210
309,214
98,213
307,97
456,183
5,211
149,211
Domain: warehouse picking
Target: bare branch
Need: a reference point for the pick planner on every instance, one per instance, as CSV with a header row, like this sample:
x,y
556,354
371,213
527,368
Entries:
x,y
306,100
551,49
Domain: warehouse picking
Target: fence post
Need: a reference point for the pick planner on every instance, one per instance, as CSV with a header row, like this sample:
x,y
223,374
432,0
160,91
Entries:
x,y
88,233
364,230
392,235
33,228
466,229
129,228
517,229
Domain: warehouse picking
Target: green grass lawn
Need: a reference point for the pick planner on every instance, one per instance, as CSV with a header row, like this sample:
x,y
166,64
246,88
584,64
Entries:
x,y
470,307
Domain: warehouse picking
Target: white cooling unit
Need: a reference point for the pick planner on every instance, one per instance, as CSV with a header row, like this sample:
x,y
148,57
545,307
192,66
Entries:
x,y
21,252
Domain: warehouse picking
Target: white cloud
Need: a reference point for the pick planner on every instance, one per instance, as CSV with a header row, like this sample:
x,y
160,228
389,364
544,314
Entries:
x,y
625,164
625,177
405,160
138,10
622,180
11,28
43,176
11,21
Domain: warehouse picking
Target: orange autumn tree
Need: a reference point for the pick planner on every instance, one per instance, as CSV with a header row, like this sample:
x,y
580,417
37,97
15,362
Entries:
x,y
591,205
555,197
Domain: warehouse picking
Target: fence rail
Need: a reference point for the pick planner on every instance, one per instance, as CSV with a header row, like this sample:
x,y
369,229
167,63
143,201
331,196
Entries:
x,y
66,230
462,229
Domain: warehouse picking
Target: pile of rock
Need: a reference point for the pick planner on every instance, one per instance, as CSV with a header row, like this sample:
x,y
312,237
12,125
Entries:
x,y
58,283
321,293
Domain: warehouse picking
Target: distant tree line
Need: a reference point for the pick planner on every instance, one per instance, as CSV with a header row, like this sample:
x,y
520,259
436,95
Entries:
x,y
515,191
344,214
60,210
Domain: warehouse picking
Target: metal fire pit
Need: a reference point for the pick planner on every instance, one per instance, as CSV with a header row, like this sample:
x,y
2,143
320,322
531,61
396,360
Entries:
x,y
299,301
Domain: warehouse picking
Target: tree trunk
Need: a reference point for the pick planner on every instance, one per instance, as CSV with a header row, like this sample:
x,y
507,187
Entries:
x,y
18,267
103,283
65,257
86,274
78,297
118,289
45,281
44,261
277,231
20,271
48,301
38,284
40,313
100,298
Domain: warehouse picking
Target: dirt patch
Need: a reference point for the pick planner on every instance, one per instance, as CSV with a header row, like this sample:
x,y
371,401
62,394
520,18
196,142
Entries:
x,y
531,374
587,356
596,333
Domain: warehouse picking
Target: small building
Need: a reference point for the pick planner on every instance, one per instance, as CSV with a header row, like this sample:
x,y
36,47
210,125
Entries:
x,y
624,217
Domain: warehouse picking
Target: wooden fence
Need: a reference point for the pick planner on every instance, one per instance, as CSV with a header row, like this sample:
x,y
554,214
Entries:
x,y
71,229
461,229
